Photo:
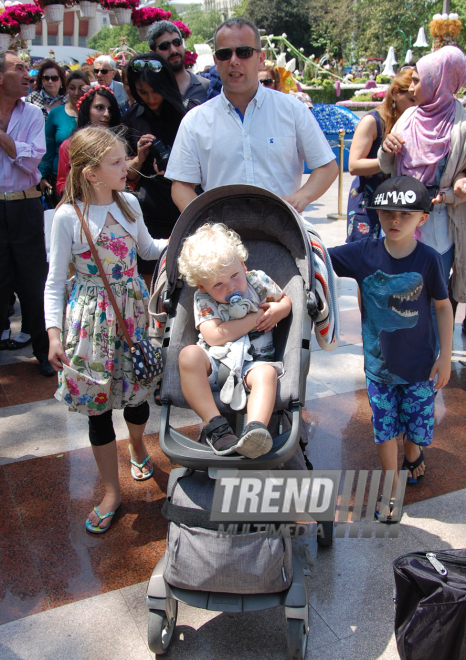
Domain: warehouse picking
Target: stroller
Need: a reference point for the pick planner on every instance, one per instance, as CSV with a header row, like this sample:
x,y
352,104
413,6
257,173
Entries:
x,y
278,244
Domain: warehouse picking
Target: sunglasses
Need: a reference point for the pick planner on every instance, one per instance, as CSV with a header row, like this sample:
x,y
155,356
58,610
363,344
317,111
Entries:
x,y
51,78
165,45
153,65
267,82
243,52
102,71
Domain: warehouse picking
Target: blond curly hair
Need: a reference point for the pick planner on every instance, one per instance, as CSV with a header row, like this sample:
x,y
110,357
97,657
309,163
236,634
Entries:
x,y
211,249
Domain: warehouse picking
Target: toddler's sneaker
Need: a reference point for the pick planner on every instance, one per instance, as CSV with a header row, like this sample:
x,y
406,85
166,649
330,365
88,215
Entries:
x,y
219,435
254,441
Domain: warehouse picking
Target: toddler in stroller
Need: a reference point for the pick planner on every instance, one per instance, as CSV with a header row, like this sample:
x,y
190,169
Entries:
x,y
235,312
247,571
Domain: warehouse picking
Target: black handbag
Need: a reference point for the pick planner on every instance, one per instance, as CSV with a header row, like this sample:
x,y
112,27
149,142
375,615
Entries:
x,y
430,620
147,361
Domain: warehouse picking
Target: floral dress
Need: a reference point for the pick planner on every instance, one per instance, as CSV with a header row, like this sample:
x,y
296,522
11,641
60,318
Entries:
x,y
100,374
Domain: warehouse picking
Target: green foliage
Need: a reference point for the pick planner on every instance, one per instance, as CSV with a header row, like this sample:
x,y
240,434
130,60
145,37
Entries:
x,y
360,81
202,25
383,80
332,27
167,6
282,16
361,97
109,38
239,10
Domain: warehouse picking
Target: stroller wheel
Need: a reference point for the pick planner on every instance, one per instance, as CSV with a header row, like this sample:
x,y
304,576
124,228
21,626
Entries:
x,y
327,538
161,627
297,639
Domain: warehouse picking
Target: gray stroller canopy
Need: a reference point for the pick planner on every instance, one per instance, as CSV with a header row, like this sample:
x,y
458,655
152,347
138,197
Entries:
x,y
255,214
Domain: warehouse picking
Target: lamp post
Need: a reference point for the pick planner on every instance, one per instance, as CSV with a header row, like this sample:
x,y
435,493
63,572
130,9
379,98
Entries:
x,y
407,41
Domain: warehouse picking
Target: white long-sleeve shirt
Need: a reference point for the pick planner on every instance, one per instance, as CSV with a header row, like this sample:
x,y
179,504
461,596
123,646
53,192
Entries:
x,y
66,240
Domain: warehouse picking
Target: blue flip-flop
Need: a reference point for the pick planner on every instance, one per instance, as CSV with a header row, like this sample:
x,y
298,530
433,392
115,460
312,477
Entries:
x,y
140,466
99,530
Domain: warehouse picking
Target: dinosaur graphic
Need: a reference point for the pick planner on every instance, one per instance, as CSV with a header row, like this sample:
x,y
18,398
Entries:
x,y
386,301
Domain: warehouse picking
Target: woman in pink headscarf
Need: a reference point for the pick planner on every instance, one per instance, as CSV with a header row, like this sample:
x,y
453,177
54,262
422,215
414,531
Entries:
x,y
428,142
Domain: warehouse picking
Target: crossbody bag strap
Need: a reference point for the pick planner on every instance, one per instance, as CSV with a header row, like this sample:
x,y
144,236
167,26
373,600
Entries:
x,y
104,278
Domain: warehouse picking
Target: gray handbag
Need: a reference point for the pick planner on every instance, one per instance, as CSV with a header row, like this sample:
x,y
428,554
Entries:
x,y
198,558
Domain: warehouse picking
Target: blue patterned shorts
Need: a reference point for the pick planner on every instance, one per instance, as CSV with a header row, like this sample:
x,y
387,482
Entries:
x,y
402,408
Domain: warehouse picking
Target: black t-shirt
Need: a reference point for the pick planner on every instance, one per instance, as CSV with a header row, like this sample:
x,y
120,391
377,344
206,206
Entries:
x,y
396,295
159,211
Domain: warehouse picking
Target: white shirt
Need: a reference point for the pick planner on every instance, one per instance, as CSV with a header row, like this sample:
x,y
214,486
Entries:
x,y
66,240
214,147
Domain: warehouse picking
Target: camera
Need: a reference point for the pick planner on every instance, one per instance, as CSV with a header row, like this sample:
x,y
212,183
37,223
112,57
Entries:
x,y
161,153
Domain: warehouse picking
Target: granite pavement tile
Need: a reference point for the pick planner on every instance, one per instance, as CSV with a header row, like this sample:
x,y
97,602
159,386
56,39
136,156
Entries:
x,y
21,589
98,628
23,383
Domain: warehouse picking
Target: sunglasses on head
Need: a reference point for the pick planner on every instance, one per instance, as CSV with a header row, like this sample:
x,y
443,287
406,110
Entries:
x,y
52,78
243,52
267,82
153,65
102,71
165,45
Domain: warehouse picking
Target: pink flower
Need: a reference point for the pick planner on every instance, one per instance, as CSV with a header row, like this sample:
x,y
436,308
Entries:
x,y
130,326
72,386
118,247
136,386
103,304
184,29
86,255
109,365
83,333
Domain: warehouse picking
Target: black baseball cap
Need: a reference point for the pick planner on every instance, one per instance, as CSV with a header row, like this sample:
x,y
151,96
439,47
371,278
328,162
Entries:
x,y
401,193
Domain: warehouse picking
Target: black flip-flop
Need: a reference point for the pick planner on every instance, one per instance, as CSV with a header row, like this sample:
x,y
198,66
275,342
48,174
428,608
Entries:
x,y
412,466
387,520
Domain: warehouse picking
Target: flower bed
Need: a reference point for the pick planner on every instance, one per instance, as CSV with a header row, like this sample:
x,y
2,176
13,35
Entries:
x,y
332,118
359,105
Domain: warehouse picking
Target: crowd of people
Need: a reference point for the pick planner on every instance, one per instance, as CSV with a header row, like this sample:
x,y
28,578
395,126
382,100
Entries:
x,y
84,139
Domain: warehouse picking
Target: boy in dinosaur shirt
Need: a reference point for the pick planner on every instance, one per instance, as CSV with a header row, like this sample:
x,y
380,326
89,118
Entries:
x,y
398,278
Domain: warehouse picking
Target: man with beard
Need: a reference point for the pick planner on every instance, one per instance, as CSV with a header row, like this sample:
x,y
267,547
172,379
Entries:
x,y
165,39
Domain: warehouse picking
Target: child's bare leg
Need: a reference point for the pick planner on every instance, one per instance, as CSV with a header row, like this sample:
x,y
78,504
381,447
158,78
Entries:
x,y
194,371
412,453
262,381
388,455
106,459
256,440
137,448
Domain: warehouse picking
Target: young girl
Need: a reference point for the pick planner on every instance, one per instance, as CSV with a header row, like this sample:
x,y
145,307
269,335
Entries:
x,y
93,358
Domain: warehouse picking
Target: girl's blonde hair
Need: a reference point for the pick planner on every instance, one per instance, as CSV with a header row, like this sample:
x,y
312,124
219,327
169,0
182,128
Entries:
x,y
400,83
87,150
211,249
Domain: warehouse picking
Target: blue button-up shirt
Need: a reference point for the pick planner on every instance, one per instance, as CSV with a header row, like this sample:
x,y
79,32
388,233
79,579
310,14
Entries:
x,y
26,128
267,147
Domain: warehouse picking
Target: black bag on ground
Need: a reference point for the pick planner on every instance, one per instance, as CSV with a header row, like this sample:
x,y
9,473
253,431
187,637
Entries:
x,y
198,558
430,620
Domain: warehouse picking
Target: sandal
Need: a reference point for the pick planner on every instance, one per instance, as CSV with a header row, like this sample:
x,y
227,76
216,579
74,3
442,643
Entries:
x,y
412,466
99,530
140,466
387,520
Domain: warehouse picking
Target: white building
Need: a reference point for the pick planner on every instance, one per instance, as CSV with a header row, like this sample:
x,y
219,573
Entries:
x,y
224,7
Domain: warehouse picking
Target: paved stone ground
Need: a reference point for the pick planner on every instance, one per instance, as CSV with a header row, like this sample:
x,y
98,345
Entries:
x,y
64,594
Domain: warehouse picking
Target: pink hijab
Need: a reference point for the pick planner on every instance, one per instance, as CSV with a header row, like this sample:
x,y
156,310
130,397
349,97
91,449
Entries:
x,y
427,132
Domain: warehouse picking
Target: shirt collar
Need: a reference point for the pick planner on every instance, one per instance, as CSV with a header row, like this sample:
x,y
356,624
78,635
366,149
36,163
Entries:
x,y
258,99
194,80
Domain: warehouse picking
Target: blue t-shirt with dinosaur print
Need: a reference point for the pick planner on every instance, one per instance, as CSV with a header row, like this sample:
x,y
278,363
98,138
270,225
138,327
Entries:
x,y
396,294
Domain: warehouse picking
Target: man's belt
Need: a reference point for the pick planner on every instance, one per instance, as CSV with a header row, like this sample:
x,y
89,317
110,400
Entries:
x,y
30,193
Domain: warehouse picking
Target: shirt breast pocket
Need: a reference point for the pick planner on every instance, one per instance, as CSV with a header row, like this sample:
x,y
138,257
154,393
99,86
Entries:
x,y
280,152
